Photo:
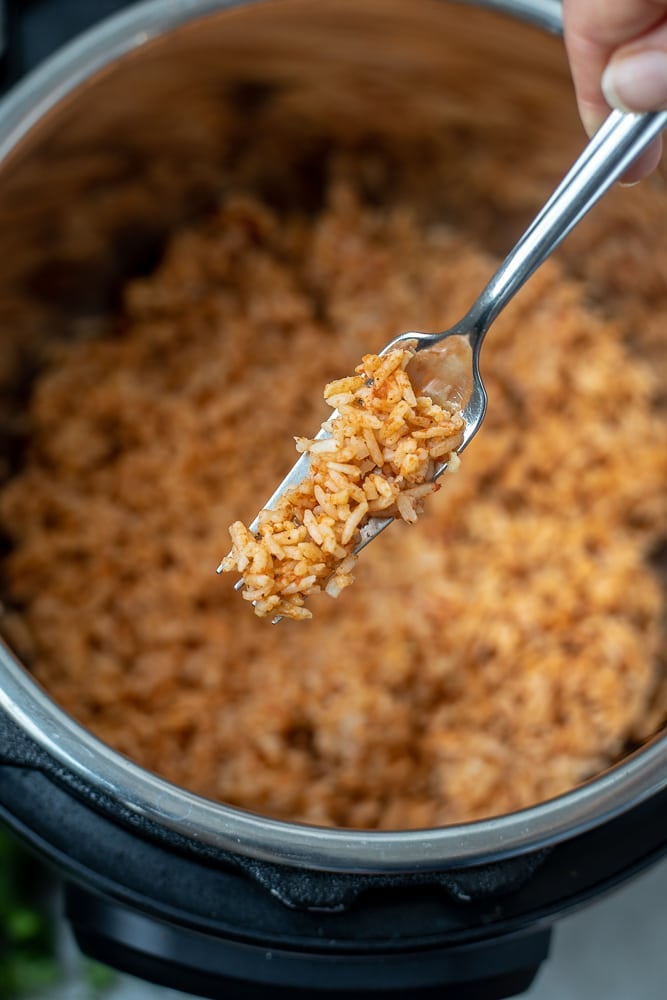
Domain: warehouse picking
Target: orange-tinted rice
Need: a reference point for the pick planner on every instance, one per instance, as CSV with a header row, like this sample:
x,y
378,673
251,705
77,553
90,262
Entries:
x,y
497,653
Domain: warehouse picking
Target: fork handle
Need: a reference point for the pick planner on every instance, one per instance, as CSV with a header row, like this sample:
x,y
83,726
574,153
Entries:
x,y
613,148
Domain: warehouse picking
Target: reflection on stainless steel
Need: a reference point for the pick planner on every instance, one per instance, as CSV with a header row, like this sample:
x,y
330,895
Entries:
x,y
445,372
138,127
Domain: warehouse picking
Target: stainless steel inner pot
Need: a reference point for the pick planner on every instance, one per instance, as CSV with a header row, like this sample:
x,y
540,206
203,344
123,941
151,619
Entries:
x,y
143,88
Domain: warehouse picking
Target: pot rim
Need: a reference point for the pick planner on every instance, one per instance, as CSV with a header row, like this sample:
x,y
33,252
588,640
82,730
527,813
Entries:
x,y
636,778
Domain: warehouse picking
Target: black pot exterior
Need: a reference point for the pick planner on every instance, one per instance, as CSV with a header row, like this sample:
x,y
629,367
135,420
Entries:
x,y
184,914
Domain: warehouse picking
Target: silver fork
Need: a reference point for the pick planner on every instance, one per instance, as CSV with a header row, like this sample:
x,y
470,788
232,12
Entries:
x,y
613,148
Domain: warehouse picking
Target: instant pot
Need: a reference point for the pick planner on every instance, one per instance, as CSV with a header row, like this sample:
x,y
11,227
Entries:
x,y
170,887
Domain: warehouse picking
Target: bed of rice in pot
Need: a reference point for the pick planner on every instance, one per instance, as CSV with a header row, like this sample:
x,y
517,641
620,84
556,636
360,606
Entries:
x,y
496,653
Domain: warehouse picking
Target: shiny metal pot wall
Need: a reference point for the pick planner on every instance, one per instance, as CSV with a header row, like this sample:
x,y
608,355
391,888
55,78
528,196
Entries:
x,y
139,104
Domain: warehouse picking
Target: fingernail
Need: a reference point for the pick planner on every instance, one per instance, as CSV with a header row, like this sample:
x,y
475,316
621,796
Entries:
x,y
591,121
637,81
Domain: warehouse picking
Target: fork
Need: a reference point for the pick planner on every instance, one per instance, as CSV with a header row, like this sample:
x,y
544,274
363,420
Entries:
x,y
440,358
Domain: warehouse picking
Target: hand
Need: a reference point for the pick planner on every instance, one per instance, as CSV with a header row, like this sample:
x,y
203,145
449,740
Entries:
x,y
618,58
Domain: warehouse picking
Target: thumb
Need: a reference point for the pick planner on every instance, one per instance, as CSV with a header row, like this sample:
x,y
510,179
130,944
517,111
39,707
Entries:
x,y
636,77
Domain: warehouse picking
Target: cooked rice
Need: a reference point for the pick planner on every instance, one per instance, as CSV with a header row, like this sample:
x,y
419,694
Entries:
x,y
379,460
499,653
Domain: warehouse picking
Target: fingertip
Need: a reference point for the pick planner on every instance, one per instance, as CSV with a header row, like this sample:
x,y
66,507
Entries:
x,y
636,80
591,119
643,165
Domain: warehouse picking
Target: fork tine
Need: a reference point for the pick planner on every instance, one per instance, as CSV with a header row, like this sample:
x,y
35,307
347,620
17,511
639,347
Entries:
x,y
369,531
296,475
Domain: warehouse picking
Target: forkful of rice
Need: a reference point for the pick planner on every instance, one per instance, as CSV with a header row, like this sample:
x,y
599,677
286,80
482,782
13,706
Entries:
x,y
405,415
